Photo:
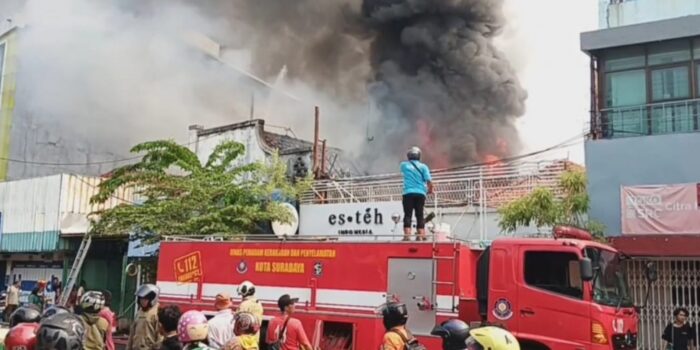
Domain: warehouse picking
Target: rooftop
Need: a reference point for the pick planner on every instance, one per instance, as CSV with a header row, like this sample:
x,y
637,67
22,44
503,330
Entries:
x,y
674,28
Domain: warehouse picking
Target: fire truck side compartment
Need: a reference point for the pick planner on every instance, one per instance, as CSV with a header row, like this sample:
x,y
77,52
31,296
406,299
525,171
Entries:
x,y
411,280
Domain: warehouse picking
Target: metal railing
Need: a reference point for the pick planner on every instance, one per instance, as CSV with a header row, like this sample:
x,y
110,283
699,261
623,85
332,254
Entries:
x,y
678,286
649,119
489,186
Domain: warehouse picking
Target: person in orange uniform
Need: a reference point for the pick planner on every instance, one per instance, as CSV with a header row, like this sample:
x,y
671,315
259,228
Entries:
x,y
397,336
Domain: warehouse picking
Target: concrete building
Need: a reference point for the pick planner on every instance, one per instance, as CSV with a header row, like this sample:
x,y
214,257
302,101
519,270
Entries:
x,y
42,221
260,145
640,157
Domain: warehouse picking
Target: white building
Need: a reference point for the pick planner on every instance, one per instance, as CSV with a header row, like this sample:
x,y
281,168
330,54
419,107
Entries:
x,y
260,144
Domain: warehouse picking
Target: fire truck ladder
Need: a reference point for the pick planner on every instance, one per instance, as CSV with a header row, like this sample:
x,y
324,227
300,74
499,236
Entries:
x,y
75,269
437,258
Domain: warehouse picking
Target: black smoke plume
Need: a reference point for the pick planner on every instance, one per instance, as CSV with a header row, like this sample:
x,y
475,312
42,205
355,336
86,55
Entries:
x,y
429,67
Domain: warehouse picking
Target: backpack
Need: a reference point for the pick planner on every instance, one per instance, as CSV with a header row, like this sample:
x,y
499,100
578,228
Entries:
x,y
277,345
411,343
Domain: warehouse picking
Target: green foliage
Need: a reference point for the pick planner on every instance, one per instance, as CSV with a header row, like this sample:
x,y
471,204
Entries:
x,y
182,196
543,209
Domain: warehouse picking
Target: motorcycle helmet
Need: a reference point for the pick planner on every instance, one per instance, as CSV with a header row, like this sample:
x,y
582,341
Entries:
x,y
150,292
246,288
62,331
413,153
25,314
52,310
92,302
394,314
454,334
22,337
192,327
491,338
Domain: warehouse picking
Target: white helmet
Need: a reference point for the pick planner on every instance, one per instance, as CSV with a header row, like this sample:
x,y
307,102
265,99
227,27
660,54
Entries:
x,y
246,288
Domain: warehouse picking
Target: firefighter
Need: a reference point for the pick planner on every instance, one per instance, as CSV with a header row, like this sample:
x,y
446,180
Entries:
x,y
491,338
193,330
25,314
249,302
397,336
145,331
454,334
417,184
22,337
62,331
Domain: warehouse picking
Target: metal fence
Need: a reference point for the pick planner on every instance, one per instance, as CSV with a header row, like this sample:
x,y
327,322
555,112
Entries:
x,y
487,186
649,119
678,285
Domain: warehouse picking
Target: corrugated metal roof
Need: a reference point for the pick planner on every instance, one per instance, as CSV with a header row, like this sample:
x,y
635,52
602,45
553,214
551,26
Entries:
x,y
32,208
29,242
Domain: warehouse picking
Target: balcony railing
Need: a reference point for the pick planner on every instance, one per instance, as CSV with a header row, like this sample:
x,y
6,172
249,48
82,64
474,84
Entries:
x,y
650,119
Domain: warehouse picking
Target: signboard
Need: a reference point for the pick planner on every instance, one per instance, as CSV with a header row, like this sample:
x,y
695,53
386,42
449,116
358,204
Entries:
x,y
188,268
352,220
660,209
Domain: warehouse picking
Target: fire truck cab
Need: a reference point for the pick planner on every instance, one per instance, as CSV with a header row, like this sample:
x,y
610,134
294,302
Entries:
x,y
560,292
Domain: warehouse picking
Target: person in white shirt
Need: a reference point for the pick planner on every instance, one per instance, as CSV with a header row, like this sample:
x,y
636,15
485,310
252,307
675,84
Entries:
x,y
12,299
221,325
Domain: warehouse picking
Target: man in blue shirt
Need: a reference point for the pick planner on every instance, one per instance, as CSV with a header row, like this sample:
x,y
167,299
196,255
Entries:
x,y
417,184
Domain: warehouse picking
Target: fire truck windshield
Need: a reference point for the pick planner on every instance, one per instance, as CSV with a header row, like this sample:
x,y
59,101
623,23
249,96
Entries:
x,y
610,278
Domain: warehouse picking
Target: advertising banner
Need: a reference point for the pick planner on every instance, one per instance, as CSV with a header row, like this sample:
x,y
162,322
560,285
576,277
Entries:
x,y
660,209
352,220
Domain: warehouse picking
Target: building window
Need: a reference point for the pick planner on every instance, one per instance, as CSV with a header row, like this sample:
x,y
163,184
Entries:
x,y
669,52
626,117
647,88
624,58
555,272
670,84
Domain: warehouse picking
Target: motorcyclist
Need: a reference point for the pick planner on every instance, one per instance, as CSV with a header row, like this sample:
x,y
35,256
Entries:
x,y
62,331
96,327
454,334
22,337
25,314
491,338
249,303
145,331
54,309
193,331
397,336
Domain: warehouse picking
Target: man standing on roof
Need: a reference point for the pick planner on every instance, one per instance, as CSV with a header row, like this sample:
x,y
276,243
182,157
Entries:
x,y
417,184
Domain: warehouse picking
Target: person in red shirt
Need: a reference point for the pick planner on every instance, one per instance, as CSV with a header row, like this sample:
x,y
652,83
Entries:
x,y
287,329
109,316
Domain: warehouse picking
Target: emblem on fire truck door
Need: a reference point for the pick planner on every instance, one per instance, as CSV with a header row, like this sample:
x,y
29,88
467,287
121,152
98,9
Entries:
x,y
242,267
502,310
318,269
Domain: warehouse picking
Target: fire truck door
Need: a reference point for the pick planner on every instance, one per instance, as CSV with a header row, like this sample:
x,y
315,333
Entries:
x,y
411,281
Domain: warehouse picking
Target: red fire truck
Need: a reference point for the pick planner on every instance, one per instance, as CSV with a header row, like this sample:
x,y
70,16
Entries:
x,y
563,292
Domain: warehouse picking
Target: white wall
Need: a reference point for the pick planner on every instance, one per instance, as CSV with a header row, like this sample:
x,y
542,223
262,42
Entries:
x,y
639,11
30,205
247,136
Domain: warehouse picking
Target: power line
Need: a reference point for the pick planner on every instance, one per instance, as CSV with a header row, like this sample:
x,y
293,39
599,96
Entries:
x,y
564,144
102,162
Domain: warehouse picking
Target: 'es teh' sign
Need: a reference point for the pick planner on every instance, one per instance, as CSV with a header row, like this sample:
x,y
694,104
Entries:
x,y
188,268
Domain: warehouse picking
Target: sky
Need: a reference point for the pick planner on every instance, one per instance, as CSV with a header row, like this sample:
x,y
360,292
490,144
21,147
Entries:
x,y
542,42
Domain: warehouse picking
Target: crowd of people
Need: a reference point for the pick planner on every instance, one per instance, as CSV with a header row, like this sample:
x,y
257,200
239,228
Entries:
x,y
90,325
